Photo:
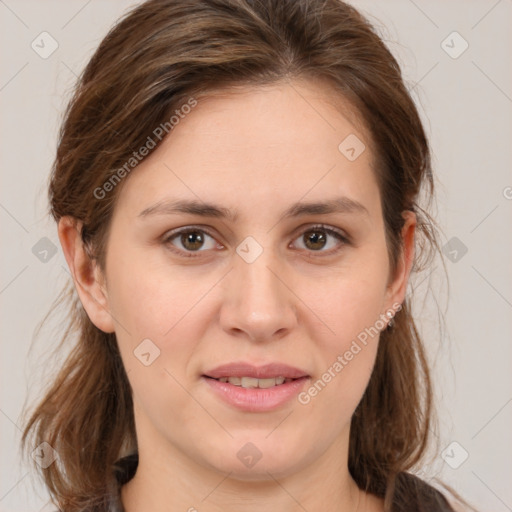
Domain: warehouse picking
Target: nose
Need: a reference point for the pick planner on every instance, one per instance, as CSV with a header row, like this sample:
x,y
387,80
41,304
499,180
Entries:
x,y
259,303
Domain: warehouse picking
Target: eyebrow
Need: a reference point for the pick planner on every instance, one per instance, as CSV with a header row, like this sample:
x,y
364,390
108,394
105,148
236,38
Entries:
x,y
174,207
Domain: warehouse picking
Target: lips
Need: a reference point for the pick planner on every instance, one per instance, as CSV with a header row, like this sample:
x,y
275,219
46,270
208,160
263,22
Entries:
x,y
255,389
251,382
247,370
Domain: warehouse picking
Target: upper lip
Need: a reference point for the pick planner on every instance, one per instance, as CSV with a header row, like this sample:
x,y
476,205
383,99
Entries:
x,y
267,371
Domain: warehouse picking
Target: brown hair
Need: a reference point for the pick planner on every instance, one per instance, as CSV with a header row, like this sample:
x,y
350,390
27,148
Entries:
x,y
153,61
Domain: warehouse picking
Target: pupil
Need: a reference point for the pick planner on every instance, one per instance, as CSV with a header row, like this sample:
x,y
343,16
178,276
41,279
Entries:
x,y
192,240
316,237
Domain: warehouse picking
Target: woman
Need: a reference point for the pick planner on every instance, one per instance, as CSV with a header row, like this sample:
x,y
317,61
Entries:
x,y
236,188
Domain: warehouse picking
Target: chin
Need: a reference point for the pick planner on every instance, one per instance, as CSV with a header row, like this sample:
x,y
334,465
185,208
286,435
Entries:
x,y
250,463
260,472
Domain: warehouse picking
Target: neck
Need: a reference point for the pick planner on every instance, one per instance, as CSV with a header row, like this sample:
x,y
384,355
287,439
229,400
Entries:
x,y
169,480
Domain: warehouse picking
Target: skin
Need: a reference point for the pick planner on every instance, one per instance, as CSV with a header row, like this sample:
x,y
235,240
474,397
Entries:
x,y
255,150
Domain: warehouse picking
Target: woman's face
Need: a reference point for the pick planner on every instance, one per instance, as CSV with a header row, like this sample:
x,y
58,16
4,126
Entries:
x,y
254,282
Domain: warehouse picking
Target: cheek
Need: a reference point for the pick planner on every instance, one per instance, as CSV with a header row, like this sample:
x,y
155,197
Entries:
x,y
353,316
156,309
345,359
350,301
161,304
349,305
151,298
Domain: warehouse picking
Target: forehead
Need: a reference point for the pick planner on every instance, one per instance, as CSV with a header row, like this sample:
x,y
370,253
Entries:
x,y
280,141
310,114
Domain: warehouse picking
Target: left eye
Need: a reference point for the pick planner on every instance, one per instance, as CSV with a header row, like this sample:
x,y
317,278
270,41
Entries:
x,y
315,239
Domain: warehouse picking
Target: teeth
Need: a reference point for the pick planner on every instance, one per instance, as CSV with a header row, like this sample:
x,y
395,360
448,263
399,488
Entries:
x,y
251,382
267,383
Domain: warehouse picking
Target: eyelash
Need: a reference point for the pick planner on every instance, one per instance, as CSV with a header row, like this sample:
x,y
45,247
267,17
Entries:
x,y
194,229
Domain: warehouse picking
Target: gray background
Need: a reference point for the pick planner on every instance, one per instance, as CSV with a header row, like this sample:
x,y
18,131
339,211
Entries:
x,y
465,101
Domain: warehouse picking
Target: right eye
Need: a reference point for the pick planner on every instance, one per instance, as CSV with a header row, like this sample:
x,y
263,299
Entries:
x,y
191,240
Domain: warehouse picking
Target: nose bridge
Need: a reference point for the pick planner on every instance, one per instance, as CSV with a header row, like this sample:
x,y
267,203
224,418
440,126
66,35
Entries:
x,y
262,289
259,302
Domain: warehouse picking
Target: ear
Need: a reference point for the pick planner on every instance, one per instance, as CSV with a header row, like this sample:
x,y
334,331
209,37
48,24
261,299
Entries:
x,y
89,280
397,286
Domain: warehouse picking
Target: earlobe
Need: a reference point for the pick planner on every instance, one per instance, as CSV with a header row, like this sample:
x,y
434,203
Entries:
x,y
87,277
398,285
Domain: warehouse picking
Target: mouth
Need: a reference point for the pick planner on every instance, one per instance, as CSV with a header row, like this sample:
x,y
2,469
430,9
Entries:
x,y
270,374
251,388
252,382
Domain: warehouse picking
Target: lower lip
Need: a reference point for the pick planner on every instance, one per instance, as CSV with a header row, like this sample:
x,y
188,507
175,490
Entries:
x,y
256,399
